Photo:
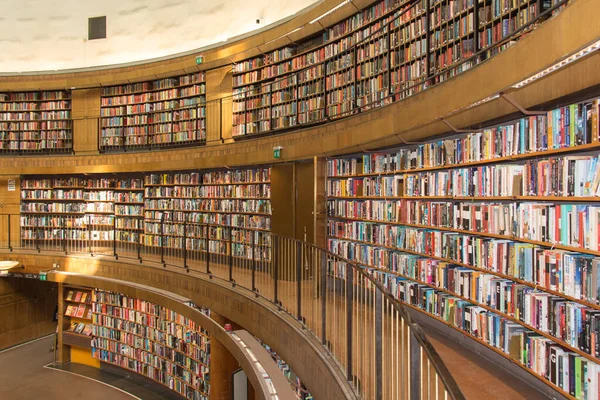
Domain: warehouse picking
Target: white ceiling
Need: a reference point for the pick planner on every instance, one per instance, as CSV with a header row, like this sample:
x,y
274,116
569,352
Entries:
x,y
42,35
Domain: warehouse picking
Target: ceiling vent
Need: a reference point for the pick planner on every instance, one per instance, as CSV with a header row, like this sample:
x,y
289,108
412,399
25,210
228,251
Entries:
x,y
97,28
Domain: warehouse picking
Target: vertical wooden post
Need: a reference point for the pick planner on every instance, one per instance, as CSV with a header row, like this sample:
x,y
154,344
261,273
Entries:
x,y
63,353
85,110
219,113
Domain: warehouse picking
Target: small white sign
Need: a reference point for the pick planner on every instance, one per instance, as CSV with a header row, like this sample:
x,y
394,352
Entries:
x,y
11,185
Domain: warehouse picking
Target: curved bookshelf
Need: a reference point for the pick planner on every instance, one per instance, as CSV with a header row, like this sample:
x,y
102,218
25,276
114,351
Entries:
x,y
522,283
152,341
384,53
36,122
153,211
160,113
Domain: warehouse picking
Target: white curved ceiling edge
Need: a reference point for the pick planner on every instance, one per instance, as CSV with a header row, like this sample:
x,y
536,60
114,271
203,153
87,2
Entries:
x,y
41,36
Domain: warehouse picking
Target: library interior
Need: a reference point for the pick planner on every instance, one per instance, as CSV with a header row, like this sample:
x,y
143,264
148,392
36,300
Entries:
x,y
300,199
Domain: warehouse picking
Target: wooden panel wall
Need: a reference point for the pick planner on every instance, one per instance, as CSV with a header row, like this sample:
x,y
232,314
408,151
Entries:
x,y
282,199
86,113
305,196
219,112
26,310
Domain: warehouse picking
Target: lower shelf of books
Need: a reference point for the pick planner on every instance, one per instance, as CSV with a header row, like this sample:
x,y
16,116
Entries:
x,y
567,372
155,372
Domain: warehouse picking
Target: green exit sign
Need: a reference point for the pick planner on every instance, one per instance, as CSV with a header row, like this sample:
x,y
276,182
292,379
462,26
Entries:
x,y
277,152
199,60
43,276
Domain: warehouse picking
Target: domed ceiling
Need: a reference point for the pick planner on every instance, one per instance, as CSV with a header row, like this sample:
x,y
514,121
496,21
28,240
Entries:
x,y
48,35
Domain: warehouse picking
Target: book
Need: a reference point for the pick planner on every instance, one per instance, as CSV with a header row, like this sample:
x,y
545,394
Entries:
x,y
80,311
77,297
69,296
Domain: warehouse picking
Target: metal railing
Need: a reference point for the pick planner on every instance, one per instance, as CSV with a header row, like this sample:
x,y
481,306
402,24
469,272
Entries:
x,y
378,346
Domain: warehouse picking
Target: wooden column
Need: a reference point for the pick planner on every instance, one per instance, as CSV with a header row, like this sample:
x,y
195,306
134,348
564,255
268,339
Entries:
x,y
222,364
320,205
86,114
219,105
10,203
63,353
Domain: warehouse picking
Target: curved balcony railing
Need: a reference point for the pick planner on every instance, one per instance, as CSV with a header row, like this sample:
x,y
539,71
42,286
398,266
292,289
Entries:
x,y
381,350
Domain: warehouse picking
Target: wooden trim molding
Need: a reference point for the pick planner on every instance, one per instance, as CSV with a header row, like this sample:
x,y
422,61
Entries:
x,y
305,355
415,118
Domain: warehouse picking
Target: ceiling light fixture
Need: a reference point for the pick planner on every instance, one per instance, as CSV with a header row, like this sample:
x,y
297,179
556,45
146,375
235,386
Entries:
x,y
564,62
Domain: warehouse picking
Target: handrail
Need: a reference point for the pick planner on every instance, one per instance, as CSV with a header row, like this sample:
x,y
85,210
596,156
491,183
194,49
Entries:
x,y
350,313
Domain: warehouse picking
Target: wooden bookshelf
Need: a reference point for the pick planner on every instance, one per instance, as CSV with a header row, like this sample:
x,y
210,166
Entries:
x,y
139,335
77,316
385,52
417,218
36,122
171,210
161,113
180,203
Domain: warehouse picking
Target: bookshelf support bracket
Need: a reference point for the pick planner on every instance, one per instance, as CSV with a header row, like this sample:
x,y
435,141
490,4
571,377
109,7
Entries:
x,y
404,141
516,105
455,130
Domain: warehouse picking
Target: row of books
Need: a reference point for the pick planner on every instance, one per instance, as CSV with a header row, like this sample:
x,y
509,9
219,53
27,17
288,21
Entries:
x,y
257,190
80,328
78,296
566,127
566,369
58,145
36,96
570,273
571,176
190,79
34,125
242,176
495,32
135,347
35,116
51,105
78,311
165,96
565,224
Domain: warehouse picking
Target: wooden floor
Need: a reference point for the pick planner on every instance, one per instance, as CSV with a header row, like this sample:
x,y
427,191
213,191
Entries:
x,y
23,377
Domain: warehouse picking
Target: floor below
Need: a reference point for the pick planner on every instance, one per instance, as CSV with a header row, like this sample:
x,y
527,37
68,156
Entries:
x,y
27,374
478,377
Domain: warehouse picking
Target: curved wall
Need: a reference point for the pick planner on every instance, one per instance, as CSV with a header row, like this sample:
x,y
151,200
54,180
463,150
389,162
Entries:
x,y
412,119
305,355
45,35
